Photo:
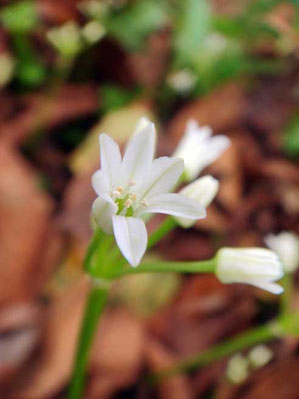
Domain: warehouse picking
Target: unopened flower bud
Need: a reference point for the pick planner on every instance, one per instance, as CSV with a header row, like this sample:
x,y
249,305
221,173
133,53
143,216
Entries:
x,y
202,190
256,266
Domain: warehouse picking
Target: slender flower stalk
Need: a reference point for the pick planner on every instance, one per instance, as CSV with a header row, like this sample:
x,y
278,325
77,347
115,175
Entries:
x,y
252,337
95,304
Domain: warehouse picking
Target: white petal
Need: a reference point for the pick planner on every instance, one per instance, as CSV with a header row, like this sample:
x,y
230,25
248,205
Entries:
x,y
202,190
271,287
100,183
110,158
162,177
142,122
139,154
175,204
131,237
102,212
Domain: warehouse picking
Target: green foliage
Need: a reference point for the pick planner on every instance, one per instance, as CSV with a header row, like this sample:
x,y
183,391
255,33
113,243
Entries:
x,y
114,97
191,27
20,17
30,71
133,23
291,137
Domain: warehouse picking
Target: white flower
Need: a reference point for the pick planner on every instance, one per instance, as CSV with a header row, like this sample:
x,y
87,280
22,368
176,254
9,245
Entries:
x,y
131,187
182,81
202,190
198,149
286,245
256,266
237,368
260,355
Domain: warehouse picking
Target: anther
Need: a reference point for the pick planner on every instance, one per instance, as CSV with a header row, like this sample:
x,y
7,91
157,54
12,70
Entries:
x,y
144,202
120,189
131,183
128,203
132,196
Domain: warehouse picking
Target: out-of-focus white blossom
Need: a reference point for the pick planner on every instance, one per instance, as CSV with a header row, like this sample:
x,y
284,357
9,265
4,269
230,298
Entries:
x,y
202,190
286,245
256,266
128,188
182,81
237,368
260,355
199,148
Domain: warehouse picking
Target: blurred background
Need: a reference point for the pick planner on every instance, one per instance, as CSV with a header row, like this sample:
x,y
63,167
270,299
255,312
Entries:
x,y
70,70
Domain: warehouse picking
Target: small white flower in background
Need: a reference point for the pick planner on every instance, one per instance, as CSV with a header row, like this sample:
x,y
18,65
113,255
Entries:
x,y
128,188
182,81
202,190
198,149
286,245
237,368
256,266
259,356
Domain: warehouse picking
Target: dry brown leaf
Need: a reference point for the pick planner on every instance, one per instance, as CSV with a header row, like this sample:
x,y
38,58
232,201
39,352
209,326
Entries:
x,y
176,387
45,111
227,103
148,67
60,340
24,219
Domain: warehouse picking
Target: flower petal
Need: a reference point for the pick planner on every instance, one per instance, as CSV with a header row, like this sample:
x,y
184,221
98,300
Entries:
x,y
202,190
100,183
102,212
131,237
139,154
110,158
271,287
162,177
176,205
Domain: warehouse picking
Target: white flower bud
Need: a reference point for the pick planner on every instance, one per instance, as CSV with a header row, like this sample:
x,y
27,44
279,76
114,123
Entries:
x,y
237,369
260,355
198,149
256,266
202,190
286,245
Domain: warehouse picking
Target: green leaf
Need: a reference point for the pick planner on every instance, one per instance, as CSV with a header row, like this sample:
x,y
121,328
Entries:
x,y
291,138
20,17
131,26
193,24
115,97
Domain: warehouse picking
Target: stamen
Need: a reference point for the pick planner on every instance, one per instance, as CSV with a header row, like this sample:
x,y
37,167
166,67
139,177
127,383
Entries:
x,y
120,189
131,183
128,203
116,194
144,202
132,196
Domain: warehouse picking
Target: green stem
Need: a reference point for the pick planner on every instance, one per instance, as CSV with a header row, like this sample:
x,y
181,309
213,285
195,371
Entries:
x,y
94,307
94,242
204,266
257,335
168,224
286,297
